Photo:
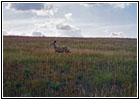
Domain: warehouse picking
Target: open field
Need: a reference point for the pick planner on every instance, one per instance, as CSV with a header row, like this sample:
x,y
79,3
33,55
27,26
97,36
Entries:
x,y
96,67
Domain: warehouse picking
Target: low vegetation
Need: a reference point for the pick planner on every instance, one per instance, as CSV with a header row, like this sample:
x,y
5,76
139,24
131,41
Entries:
x,y
98,67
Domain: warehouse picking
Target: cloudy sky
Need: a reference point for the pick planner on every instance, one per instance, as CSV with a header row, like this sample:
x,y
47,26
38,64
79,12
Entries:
x,y
70,19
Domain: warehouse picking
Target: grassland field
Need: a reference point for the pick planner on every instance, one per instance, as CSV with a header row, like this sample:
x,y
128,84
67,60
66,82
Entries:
x,y
96,67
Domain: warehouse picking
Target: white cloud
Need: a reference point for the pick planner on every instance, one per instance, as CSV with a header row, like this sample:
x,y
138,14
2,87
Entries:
x,y
64,26
90,4
119,5
45,12
45,25
71,33
115,5
105,30
117,34
58,27
48,27
68,16
14,33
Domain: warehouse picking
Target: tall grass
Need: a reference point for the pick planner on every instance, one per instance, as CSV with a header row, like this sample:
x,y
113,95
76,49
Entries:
x,y
96,67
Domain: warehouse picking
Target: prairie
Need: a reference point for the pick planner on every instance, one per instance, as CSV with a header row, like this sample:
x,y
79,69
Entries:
x,y
96,67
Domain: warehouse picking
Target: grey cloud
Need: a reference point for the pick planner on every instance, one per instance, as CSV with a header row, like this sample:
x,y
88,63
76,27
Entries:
x,y
64,27
26,6
5,32
114,34
69,30
40,9
29,6
37,34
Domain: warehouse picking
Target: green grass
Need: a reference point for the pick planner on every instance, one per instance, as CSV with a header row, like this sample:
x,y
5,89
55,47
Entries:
x,y
96,67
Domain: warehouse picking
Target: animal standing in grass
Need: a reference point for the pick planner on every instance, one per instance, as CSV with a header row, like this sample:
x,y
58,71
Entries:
x,y
60,49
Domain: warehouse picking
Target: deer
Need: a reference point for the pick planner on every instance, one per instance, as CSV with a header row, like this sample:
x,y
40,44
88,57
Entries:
x,y
60,49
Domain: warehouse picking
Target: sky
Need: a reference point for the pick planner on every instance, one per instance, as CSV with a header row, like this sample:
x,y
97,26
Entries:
x,y
78,19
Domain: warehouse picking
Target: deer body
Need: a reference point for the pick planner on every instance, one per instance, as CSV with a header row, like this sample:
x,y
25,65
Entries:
x,y
60,49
